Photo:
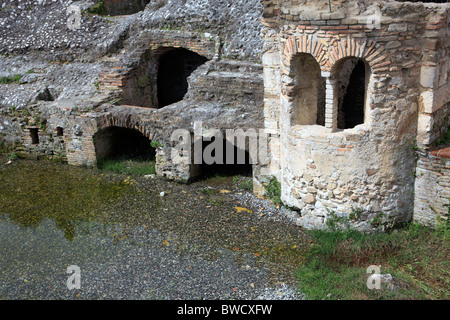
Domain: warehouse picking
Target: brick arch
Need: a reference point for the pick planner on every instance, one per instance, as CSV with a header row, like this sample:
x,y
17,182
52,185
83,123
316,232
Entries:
x,y
200,44
125,120
328,53
374,54
305,43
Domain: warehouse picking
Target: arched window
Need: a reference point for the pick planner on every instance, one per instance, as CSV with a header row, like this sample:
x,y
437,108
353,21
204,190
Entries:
x,y
351,76
308,93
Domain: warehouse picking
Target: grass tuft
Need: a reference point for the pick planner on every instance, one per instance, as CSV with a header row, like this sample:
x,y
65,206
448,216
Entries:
x,y
273,191
128,167
10,79
99,9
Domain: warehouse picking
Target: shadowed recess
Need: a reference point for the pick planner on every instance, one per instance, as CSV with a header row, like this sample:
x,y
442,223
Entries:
x,y
175,66
122,143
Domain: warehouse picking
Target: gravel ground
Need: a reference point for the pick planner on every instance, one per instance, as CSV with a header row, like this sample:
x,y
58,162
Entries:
x,y
208,240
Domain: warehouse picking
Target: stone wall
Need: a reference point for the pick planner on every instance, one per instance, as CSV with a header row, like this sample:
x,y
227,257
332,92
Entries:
x,y
228,82
432,188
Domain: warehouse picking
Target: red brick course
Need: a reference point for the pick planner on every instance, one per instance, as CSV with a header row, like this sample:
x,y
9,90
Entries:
x,y
441,152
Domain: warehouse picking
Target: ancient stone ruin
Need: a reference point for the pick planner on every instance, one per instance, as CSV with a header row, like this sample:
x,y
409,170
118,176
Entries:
x,y
352,96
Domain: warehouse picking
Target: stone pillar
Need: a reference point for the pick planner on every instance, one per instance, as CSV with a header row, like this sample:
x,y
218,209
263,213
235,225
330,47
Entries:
x,y
330,106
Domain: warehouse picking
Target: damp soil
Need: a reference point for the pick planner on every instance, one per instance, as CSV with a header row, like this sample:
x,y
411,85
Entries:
x,y
136,237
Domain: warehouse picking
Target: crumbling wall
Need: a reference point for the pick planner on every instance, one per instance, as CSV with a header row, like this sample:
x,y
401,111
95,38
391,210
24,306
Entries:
x,y
108,62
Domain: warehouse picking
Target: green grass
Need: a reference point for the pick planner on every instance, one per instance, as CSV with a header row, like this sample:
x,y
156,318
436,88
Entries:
x,y
128,167
10,79
244,183
208,191
336,264
99,9
273,191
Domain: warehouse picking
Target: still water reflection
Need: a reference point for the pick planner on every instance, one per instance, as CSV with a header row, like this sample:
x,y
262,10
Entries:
x,y
128,241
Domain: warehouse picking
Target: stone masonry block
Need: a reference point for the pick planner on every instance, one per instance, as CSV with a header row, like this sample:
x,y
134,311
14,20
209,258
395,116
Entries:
x,y
428,76
424,124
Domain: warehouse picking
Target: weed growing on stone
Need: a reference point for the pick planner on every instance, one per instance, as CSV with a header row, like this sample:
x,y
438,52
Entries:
x,y
244,183
273,191
335,222
13,156
156,144
99,9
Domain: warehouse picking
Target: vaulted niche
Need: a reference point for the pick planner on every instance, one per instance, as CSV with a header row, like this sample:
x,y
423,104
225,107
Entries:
x,y
222,158
175,66
308,94
116,143
352,75
34,134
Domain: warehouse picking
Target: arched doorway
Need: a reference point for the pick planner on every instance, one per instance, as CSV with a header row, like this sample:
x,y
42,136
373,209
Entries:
x,y
124,150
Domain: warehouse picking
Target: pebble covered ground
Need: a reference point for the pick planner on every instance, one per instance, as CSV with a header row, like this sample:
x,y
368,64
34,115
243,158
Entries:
x,y
141,238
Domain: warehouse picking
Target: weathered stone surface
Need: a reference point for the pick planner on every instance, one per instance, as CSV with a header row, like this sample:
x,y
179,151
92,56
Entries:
x,y
309,198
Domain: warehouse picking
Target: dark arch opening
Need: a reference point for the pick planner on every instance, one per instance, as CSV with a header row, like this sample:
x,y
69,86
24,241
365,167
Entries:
x,y
34,134
227,161
59,132
351,77
116,143
123,7
45,95
175,66
352,109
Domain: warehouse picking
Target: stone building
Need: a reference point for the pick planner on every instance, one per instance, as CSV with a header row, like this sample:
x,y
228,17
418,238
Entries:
x,y
352,90
353,95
